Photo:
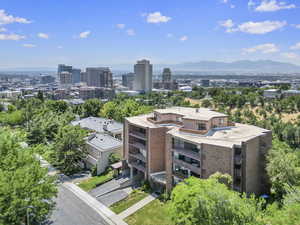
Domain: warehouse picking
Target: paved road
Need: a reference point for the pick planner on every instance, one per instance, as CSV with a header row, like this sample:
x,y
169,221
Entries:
x,y
70,210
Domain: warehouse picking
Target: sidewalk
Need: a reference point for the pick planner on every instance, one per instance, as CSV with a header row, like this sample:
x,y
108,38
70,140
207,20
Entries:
x,y
137,206
105,212
109,216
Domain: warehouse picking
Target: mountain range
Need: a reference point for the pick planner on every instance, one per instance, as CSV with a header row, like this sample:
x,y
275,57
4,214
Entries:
x,y
258,66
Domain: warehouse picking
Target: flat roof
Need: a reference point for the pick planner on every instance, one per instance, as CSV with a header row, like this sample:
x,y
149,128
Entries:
x,y
97,124
192,113
104,142
227,136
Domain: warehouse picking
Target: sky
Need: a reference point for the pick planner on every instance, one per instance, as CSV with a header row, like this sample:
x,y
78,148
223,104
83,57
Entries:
x,y
82,33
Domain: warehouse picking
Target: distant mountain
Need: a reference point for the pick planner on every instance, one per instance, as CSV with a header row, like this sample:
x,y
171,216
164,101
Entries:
x,y
258,66
261,66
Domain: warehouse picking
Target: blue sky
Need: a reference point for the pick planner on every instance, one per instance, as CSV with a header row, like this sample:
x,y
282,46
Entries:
x,y
36,33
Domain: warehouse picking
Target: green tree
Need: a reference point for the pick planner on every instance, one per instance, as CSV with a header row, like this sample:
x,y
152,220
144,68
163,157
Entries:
x,y
24,185
91,107
283,168
206,103
69,147
197,201
40,96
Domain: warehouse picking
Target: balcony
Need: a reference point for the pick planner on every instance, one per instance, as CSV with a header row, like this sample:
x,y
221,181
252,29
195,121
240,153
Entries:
x,y
237,188
189,166
180,174
238,160
138,166
238,173
138,145
138,156
186,152
152,120
138,135
201,132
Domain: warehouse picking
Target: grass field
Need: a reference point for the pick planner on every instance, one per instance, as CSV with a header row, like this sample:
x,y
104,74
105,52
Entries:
x,y
155,213
134,197
93,182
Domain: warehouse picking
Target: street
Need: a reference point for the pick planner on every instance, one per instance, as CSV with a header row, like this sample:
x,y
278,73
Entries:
x,y
70,210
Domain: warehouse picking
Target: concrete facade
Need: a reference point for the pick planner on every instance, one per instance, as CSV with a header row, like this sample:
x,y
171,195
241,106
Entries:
x,y
181,142
99,77
143,71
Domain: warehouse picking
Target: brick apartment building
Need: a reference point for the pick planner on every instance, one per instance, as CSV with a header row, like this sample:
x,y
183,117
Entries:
x,y
172,144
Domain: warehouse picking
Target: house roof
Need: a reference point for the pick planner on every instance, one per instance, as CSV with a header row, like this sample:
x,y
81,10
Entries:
x,y
104,142
99,125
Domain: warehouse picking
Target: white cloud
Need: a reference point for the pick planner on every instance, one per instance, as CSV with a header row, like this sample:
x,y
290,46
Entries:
x,y
232,6
224,1
84,34
251,3
290,55
261,27
273,5
59,47
2,29
296,46
184,38
29,45
120,26
169,35
8,19
11,37
253,27
297,26
264,48
43,35
228,24
130,32
157,17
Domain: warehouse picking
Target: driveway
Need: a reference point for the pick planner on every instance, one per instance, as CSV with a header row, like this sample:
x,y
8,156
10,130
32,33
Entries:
x,y
105,188
115,196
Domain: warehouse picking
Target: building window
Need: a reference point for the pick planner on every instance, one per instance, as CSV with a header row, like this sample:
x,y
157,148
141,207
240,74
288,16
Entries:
x,y
201,126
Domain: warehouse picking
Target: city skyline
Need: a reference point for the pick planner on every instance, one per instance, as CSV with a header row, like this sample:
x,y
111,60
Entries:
x,y
94,33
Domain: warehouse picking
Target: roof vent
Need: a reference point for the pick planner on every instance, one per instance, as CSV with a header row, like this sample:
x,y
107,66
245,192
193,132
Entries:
x,y
197,110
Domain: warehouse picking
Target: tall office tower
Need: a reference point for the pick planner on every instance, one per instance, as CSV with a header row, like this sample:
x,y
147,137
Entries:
x,y
99,77
143,76
65,78
64,68
76,75
167,75
127,80
47,79
83,77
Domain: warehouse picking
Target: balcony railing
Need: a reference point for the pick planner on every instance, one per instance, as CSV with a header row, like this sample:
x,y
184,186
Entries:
x,y
137,156
138,145
193,131
237,188
238,160
180,174
138,166
189,166
238,173
152,120
139,135
187,152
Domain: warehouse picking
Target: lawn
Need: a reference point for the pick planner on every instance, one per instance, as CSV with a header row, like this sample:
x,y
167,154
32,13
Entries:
x,y
155,213
93,182
134,197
